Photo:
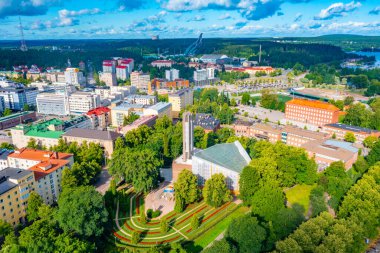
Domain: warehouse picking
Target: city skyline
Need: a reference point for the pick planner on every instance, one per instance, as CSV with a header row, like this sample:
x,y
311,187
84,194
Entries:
x,y
126,19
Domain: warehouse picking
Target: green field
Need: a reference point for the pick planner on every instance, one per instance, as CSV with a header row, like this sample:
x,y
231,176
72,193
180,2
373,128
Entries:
x,y
299,194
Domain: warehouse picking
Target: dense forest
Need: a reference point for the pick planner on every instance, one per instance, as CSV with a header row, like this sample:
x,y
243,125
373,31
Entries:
x,y
273,53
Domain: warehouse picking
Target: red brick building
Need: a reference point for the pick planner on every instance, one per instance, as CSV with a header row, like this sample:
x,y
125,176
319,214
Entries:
x,y
312,112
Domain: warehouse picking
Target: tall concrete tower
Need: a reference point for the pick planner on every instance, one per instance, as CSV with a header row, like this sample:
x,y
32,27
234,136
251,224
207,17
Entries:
x,y
188,136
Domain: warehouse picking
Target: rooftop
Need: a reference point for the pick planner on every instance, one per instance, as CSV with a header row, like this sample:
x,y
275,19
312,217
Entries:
x,y
305,133
159,106
228,155
180,92
314,104
206,121
355,129
4,153
126,107
42,129
214,56
98,111
11,173
331,148
15,115
92,134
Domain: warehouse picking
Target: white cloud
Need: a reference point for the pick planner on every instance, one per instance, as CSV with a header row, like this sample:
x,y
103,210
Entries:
x,y
337,10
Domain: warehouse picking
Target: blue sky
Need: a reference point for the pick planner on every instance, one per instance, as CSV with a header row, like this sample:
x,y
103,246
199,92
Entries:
x,y
76,19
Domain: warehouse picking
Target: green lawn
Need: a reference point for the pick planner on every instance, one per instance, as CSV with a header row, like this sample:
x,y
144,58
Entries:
x,y
209,236
299,194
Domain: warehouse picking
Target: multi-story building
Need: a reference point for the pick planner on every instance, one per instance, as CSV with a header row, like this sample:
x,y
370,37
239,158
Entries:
x,y
158,84
55,77
207,122
141,99
210,73
82,102
140,80
311,112
109,78
129,63
228,159
180,100
118,113
47,167
46,133
15,187
160,110
15,97
143,120
4,153
200,75
100,117
109,66
17,118
340,130
74,77
53,103
162,63
122,73
106,139
171,74
325,152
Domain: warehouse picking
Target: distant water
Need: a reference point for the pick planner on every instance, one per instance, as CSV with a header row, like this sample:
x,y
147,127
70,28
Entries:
x,y
376,54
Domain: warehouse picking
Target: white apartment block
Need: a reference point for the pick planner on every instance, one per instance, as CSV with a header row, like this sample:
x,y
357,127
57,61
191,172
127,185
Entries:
x,y
200,75
53,103
82,102
141,99
74,77
140,80
210,73
180,100
172,74
109,78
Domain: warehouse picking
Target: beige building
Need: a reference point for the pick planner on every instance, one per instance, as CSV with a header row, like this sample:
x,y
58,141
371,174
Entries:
x,y
109,78
15,188
140,80
180,100
82,102
160,110
118,113
47,167
106,139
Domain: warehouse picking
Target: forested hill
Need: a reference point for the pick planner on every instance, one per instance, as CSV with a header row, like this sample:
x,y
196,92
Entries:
x,y
278,54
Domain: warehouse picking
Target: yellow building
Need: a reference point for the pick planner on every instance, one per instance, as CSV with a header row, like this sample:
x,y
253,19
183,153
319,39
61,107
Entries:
x,y
15,188
180,100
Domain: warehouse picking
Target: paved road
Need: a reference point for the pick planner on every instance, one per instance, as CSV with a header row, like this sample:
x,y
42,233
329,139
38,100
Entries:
x,y
103,182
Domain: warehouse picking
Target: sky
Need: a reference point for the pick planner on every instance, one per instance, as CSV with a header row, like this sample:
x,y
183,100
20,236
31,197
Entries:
x,y
132,19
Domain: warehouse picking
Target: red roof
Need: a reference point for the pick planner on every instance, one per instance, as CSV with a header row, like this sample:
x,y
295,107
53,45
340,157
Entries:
x,y
108,64
98,111
121,67
127,61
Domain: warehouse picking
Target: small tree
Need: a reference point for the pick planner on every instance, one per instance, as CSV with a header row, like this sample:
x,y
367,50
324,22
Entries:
x,y
195,222
5,228
333,136
350,137
215,191
179,204
34,203
164,225
135,237
370,141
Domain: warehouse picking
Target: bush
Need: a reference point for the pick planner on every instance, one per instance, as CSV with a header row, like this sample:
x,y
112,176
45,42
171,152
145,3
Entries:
x,y
153,214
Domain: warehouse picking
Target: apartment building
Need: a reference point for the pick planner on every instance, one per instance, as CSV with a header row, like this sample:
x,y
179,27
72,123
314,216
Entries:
x,y
311,112
47,167
15,187
141,99
82,102
16,96
160,110
118,113
158,84
109,78
4,153
106,139
180,100
100,117
207,122
171,74
162,63
340,130
140,80
143,120
73,76
53,103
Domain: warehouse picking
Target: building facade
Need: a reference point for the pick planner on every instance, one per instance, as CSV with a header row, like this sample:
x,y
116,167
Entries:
x,y
17,118
141,99
109,78
47,167
100,117
180,100
140,80
171,74
162,63
53,103
160,109
311,112
82,102
15,98
340,130
16,185
73,76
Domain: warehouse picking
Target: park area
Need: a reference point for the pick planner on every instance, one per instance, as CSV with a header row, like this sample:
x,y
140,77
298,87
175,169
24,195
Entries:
x,y
128,221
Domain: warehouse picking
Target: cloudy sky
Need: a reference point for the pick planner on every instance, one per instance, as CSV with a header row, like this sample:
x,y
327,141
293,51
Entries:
x,y
76,19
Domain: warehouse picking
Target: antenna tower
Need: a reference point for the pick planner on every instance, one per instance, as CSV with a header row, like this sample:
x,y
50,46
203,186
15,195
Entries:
x,y
260,55
23,46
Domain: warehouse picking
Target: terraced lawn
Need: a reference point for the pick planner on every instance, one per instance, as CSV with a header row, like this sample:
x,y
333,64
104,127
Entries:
x,y
179,223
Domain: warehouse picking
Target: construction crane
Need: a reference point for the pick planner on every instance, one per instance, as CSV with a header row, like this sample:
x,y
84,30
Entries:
x,y
193,48
23,46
